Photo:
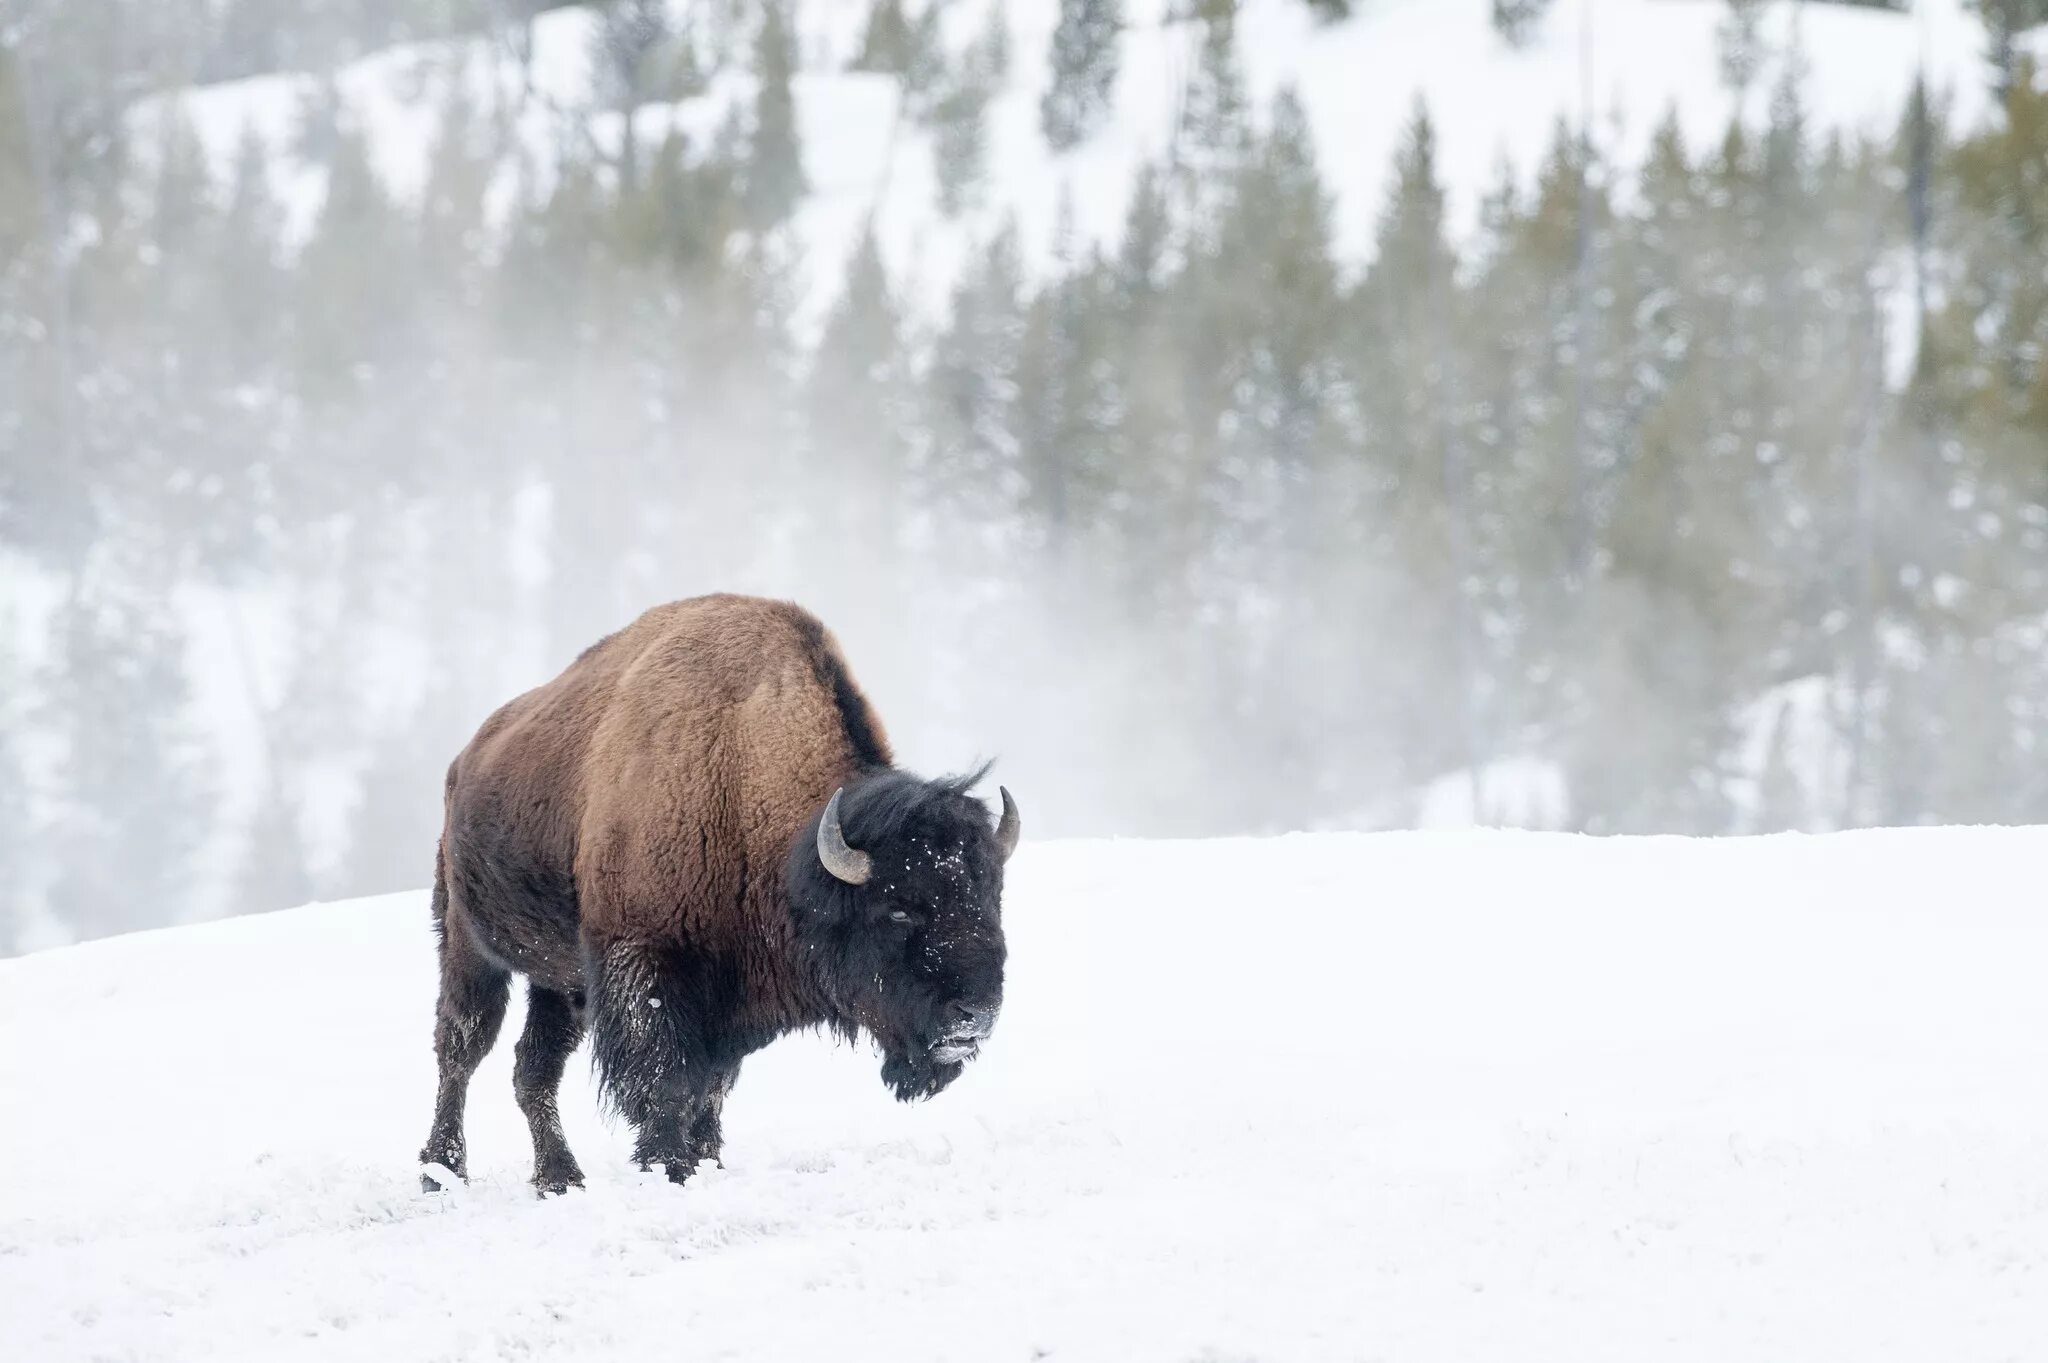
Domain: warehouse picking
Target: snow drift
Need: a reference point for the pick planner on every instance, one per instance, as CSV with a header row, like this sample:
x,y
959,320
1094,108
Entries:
x,y
1414,1096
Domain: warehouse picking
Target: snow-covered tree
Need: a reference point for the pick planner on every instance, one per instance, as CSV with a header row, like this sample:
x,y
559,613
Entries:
x,y
1084,71
1518,21
629,40
132,800
774,179
1215,134
1741,44
960,143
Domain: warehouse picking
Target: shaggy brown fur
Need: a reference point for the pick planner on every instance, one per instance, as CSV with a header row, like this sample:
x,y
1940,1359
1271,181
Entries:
x,y
670,766
620,836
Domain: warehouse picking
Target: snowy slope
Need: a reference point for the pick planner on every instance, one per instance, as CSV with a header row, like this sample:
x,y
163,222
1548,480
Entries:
x,y
1403,1096
1360,80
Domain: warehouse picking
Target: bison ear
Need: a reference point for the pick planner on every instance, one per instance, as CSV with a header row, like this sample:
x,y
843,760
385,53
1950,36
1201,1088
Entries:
x,y
1011,829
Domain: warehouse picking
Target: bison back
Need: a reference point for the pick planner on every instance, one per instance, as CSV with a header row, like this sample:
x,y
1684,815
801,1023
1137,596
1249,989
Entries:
x,y
651,790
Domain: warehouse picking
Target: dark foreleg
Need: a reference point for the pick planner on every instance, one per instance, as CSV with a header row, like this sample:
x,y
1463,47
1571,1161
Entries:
x,y
466,1022
553,1029
707,1133
643,1015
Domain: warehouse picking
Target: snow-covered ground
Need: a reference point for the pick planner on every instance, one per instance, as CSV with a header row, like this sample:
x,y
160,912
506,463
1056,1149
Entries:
x,y
1403,1096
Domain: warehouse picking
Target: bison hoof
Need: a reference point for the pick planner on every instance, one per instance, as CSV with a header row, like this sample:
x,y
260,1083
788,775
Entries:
x,y
557,1181
436,1177
678,1169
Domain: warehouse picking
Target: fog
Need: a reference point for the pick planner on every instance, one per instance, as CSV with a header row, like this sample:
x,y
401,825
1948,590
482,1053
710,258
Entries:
x,y
1700,494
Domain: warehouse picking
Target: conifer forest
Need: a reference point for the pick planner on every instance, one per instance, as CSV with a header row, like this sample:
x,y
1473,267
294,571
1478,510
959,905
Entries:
x,y
1670,483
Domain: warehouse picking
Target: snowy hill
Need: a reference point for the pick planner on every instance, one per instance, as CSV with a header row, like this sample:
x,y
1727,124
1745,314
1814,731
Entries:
x,y
1360,79
1403,1096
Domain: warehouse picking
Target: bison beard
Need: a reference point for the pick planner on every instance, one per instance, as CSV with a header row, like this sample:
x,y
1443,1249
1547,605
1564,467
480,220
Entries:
x,y
693,842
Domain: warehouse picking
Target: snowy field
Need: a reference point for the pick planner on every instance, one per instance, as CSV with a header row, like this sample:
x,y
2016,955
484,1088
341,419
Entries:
x,y
1403,1096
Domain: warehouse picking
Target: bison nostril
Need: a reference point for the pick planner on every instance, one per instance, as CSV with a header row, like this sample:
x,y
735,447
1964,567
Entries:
x,y
970,1019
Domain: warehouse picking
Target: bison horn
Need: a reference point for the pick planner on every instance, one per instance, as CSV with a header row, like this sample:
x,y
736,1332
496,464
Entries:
x,y
1011,829
842,861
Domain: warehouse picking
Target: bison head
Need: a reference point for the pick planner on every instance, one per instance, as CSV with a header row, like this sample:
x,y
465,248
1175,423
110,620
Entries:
x,y
897,887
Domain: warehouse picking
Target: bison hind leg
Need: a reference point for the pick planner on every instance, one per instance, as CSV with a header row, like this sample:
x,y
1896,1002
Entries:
x,y
467,1017
553,1030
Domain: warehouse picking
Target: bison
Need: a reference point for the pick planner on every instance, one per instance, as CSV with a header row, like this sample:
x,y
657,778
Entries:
x,y
692,842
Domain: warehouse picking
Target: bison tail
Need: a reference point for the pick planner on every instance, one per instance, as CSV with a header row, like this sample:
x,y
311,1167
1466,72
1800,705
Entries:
x,y
440,892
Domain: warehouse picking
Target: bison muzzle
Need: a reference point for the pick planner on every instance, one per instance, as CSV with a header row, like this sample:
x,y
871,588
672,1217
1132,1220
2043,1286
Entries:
x,y
692,842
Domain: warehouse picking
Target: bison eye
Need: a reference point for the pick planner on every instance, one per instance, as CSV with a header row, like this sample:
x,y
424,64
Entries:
x,y
900,916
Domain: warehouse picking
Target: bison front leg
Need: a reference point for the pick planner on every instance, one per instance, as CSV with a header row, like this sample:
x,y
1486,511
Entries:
x,y
662,1141
644,1031
707,1133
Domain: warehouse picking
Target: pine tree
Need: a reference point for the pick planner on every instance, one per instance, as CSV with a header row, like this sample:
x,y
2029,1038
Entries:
x,y
1518,21
688,211
460,164
1400,362
629,38
886,44
775,174
1741,44
1049,366
319,124
960,145
1272,287
181,213
995,45
1214,138
1161,472
353,307
1669,518
973,387
244,274
1084,71
1277,278
862,479
45,501
1981,394
969,479
132,801
1331,11
1148,227
2004,23
170,345
859,402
